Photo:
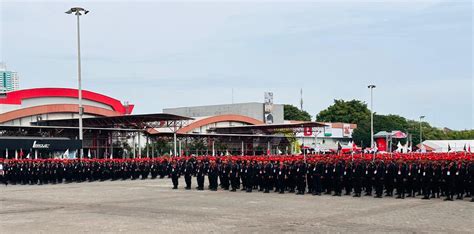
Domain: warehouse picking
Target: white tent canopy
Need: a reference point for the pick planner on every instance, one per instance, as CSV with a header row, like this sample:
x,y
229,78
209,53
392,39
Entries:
x,y
442,145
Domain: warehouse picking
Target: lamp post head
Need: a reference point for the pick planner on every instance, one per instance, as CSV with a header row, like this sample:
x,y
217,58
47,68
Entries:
x,y
422,117
371,86
77,11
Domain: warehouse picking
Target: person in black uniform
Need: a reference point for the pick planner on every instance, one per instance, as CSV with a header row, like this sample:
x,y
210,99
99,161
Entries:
x,y
471,180
327,177
234,176
400,179
268,177
435,182
300,178
357,175
175,174
379,176
337,175
316,173
369,178
281,177
427,174
346,178
411,179
200,174
249,176
459,180
224,171
448,179
390,169
188,171
212,174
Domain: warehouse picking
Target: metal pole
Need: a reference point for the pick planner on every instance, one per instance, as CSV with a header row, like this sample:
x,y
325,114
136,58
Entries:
x,y
242,148
174,143
213,149
180,148
111,145
134,147
79,79
147,148
371,118
421,132
139,145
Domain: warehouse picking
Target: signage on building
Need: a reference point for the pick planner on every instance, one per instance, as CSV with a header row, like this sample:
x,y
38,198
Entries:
x,y
37,145
268,108
13,143
346,130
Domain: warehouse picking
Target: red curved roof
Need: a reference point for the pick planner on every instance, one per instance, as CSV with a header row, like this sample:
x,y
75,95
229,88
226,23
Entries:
x,y
54,108
16,97
217,119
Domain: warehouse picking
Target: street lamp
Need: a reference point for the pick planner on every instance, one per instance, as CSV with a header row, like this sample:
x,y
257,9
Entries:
x,y
371,87
421,129
78,11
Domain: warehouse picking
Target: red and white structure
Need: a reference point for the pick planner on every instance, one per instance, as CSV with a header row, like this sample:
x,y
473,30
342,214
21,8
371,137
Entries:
x,y
22,107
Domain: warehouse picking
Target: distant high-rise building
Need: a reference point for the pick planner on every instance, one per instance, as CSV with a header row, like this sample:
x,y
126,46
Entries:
x,y
9,80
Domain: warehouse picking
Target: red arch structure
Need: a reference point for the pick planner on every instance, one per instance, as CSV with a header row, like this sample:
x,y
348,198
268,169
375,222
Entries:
x,y
16,97
54,108
217,119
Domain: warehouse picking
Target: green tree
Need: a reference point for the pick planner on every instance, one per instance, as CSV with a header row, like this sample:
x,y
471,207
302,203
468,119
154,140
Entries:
x,y
353,111
293,113
356,111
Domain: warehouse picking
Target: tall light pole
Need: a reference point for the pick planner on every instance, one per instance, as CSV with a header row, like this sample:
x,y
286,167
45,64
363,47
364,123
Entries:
x,y
78,11
371,87
421,129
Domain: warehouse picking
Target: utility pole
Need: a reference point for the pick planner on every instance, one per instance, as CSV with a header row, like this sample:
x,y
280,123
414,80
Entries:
x,y
371,87
78,11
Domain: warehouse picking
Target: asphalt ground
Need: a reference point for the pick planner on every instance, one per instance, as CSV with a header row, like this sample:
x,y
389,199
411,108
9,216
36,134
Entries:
x,y
145,206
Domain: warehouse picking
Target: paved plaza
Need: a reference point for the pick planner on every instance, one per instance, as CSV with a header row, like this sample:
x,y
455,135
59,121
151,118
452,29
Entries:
x,y
152,206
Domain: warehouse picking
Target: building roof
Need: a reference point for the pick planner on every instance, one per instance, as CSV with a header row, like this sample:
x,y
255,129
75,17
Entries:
x,y
129,121
266,127
392,134
16,97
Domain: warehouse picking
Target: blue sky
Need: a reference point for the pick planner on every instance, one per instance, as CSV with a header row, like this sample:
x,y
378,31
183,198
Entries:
x,y
169,54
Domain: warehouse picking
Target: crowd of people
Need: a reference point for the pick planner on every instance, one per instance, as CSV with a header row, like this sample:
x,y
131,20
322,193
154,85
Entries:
x,y
446,176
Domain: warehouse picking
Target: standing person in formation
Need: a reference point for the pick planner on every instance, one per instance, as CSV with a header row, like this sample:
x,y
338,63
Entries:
x,y
175,173
426,178
459,180
317,173
249,176
390,178
436,185
281,177
471,180
200,173
268,176
448,179
212,174
234,176
327,177
224,171
337,171
400,179
357,178
301,177
369,178
346,178
379,175
188,171
290,177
